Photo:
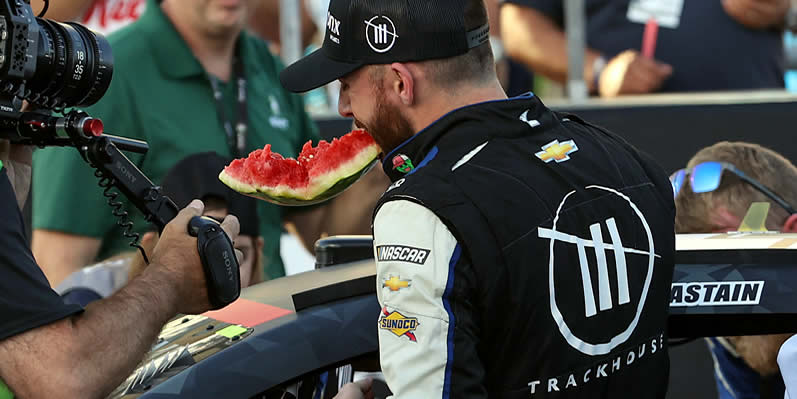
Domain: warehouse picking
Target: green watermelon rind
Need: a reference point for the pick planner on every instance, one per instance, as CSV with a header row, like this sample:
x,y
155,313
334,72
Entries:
x,y
327,188
330,193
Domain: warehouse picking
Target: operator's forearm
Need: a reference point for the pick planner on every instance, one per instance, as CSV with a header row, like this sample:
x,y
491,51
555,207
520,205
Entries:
x,y
62,10
90,354
531,38
147,303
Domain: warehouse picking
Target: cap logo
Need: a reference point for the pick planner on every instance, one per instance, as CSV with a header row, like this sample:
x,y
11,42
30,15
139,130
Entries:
x,y
333,24
380,31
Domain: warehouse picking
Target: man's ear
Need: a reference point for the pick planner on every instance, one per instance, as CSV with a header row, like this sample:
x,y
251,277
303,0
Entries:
x,y
402,83
791,224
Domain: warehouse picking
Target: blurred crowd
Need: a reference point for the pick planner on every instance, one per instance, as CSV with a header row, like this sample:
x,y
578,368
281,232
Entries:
x,y
198,80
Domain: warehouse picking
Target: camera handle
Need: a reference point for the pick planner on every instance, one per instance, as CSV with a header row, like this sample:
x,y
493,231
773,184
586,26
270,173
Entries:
x,y
103,153
214,246
112,165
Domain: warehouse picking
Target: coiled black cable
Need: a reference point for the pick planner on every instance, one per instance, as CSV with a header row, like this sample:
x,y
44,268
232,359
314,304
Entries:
x,y
123,218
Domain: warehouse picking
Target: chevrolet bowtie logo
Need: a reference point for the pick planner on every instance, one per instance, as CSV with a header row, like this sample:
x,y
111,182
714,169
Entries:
x,y
395,283
556,151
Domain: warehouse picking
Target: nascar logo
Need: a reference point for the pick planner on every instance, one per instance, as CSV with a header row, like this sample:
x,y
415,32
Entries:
x,y
399,324
731,293
401,253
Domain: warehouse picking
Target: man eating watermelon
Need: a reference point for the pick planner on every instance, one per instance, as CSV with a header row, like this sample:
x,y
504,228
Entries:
x,y
520,252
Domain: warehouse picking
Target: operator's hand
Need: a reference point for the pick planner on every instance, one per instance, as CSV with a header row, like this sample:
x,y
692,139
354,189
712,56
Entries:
x,y
757,14
632,73
357,390
17,160
177,258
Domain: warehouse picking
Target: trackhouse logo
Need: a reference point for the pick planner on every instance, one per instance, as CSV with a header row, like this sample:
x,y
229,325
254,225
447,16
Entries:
x,y
726,293
401,253
578,378
630,292
380,32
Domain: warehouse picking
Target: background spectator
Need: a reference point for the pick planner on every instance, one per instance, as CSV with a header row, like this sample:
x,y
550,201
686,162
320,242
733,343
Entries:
x,y
163,92
702,45
106,16
743,365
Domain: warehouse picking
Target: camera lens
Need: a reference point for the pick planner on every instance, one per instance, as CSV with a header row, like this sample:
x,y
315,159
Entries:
x,y
73,65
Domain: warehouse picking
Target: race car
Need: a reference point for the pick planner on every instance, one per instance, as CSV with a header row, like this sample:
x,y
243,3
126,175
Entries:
x,y
306,335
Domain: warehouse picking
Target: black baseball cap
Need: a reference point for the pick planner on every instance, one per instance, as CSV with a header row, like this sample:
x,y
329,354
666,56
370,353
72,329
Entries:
x,y
197,177
363,32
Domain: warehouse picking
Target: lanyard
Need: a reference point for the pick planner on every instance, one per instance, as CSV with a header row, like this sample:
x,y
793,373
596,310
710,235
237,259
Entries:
x,y
236,138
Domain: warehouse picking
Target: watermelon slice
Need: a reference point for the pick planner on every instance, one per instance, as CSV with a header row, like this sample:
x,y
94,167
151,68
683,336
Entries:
x,y
318,174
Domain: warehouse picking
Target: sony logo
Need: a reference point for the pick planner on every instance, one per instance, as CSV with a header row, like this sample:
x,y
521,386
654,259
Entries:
x,y
228,264
128,174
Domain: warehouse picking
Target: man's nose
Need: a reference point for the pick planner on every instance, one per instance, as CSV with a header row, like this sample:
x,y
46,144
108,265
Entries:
x,y
344,105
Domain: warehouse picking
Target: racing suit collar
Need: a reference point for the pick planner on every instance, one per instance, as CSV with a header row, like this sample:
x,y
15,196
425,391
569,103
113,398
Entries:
x,y
411,154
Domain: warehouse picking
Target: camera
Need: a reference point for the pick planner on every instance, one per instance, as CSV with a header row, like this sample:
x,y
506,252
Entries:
x,y
50,64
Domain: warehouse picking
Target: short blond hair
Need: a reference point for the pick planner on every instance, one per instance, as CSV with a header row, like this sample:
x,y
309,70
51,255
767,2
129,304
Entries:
x,y
695,212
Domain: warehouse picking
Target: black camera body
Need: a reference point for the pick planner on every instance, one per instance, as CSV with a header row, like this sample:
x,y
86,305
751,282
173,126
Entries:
x,y
50,64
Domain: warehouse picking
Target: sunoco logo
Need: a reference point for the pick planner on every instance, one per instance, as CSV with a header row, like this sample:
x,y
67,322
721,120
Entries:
x,y
399,324
728,293
630,292
401,253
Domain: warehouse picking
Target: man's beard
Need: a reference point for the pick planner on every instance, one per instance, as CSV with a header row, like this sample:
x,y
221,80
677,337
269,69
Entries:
x,y
388,127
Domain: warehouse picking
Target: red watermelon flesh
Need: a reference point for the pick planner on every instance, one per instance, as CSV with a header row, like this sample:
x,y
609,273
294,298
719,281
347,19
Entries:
x,y
318,173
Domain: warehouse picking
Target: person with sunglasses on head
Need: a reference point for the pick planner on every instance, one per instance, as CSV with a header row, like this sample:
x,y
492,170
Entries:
x,y
712,195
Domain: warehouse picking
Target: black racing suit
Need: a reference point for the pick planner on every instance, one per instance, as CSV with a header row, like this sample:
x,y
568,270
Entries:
x,y
522,253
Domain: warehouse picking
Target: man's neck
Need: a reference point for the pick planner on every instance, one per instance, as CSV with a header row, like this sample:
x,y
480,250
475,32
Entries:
x,y
435,106
214,52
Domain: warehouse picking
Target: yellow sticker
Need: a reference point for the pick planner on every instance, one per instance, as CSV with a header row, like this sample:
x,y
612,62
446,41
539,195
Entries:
x,y
755,220
232,331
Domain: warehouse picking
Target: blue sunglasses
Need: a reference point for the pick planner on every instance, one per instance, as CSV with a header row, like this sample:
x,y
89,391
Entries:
x,y
706,177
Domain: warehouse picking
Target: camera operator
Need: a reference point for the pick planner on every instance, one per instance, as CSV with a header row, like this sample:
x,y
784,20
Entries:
x,y
87,352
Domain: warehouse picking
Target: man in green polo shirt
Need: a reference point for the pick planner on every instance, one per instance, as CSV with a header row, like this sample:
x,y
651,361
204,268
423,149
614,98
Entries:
x,y
180,73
